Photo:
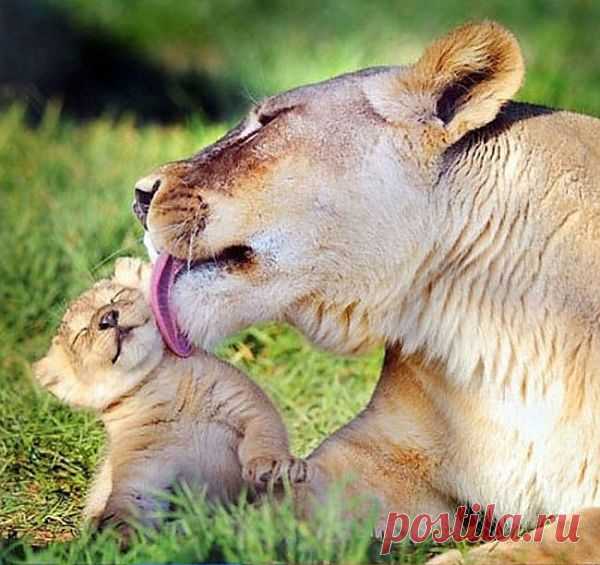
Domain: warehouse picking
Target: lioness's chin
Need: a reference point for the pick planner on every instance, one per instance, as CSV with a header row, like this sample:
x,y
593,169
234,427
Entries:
x,y
212,303
150,247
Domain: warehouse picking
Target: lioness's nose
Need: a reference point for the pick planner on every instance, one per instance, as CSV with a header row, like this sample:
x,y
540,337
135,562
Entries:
x,y
145,189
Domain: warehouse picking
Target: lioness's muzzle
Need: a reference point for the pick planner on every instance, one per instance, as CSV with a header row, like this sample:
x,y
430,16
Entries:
x,y
145,189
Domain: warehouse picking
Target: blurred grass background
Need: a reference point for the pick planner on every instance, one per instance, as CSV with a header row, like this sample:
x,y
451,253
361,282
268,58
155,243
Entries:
x,y
95,94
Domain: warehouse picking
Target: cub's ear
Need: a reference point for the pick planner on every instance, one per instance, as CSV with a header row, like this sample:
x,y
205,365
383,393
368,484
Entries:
x,y
54,372
132,273
459,84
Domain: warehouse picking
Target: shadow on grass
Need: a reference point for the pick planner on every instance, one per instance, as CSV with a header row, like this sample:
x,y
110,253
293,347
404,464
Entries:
x,y
45,56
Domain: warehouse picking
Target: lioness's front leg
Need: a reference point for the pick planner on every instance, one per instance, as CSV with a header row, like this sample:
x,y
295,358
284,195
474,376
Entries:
x,y
548,551
390,452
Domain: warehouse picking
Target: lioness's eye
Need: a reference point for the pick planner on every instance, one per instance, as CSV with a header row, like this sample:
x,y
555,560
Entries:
x,y
268,117
265,119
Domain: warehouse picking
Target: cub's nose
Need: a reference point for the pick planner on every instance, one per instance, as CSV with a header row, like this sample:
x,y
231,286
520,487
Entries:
x,y
109,320
145,189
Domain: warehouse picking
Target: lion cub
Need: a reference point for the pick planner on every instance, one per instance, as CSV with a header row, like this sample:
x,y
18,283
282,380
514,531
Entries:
x,y
196,420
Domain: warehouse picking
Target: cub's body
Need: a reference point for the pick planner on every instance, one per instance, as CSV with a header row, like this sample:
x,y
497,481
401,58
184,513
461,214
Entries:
x,y
185,423
197,421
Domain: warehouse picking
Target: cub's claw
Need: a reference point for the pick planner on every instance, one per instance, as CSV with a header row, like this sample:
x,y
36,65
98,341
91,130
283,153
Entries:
x,y
262,471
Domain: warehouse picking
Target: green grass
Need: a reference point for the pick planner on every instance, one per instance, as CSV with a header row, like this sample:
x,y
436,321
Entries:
x,y
269,45
65,191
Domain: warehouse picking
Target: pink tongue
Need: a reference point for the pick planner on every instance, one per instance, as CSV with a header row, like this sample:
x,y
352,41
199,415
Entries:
x,y
164,273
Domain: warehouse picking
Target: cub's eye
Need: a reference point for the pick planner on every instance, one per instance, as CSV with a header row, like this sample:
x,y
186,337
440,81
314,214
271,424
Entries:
x,y
109,320
80,333
116,297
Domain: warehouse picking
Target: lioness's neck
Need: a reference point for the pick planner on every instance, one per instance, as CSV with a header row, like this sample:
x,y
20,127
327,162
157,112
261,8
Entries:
x,y
484,299
488,296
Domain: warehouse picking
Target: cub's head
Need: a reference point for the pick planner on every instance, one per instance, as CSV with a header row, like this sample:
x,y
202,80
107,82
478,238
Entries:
x,y
321,203
107,341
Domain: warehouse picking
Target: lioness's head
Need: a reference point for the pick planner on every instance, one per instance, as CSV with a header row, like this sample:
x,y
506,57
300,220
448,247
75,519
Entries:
x,y
306,209
107,342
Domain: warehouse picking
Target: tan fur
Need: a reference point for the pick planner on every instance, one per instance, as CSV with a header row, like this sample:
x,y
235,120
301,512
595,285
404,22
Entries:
x,y
198,421
419,207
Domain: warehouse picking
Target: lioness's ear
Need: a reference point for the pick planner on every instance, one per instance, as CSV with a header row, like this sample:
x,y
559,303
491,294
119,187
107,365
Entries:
x,y
460,82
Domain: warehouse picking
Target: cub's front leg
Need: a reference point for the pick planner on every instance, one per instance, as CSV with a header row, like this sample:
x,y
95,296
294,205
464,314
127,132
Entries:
x,y
263,451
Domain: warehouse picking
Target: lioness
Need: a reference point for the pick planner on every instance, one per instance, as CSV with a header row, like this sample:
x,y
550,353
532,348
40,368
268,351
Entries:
x,y
196,420
419,207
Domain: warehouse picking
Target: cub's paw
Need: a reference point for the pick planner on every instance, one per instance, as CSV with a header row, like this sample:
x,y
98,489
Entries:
x,y
262,471
116,522
132,272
